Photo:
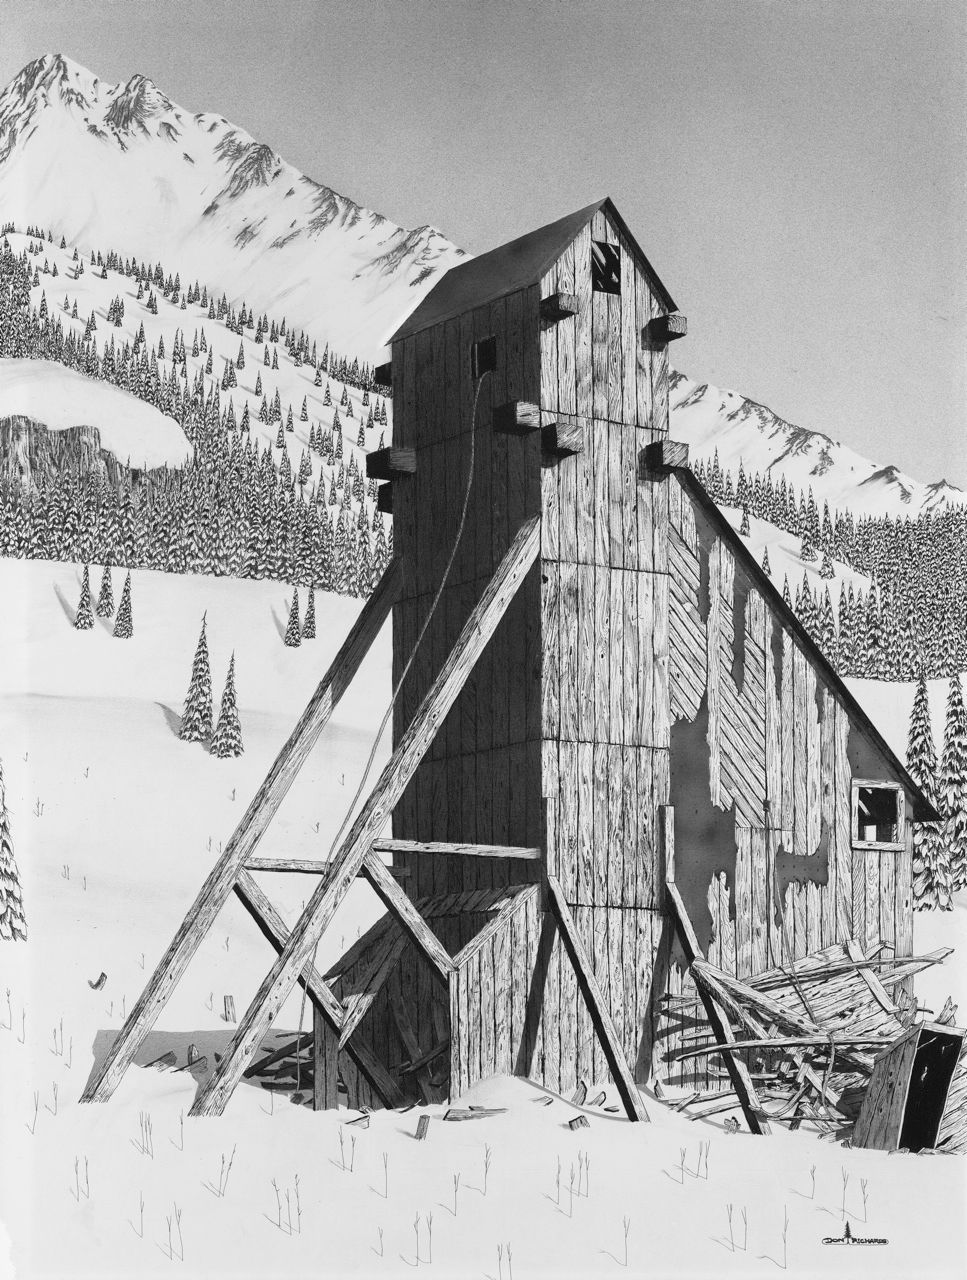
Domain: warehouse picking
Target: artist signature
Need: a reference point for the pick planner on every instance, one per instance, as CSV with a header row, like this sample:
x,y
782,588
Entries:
x,y
848,1238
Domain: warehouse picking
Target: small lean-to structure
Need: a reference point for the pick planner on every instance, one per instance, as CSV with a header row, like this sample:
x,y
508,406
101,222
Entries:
x,y
623,775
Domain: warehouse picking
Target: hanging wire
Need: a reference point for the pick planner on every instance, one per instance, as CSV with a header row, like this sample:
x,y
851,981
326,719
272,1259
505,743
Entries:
x,y
399,684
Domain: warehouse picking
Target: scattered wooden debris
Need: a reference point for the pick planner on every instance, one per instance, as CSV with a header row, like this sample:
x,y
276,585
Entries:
x,y
579,1122
166,1060
422,1127
229,1014
360,1122
474,1113
580,1093
96,986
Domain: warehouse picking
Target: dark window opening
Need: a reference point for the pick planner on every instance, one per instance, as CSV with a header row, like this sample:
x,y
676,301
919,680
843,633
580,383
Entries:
x,y
936,1059
605,267
483,356
877,815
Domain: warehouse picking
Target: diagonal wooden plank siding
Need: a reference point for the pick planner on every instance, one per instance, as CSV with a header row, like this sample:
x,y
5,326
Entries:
x,y
778,744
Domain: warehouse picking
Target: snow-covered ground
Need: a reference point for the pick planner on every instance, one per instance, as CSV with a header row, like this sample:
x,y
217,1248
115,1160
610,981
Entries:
x,y
59,397
116,823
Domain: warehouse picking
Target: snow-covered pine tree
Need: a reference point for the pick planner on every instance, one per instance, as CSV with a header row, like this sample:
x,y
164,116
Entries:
x,y
932,886
13,924
196,720
124,622
952,787
84,618
227,738
766,567
293,634
105,598
309,625
744,529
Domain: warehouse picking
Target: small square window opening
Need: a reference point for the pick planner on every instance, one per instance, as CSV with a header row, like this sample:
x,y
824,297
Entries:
x,y
877,815
605,267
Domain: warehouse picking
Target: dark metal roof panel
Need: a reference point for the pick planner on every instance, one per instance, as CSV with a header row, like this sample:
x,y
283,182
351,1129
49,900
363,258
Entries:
x,y
512,266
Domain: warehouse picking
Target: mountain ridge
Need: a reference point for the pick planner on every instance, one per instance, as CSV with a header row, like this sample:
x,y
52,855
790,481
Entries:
x,y
125,167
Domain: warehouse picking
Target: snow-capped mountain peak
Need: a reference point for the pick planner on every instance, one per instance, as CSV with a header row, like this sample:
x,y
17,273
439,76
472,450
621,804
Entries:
x,y
123,167
742,431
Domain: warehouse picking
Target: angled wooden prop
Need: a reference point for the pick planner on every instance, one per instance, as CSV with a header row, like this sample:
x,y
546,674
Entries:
x,y
718,1020
324,1002
260,812
598,1009
400,906
322,905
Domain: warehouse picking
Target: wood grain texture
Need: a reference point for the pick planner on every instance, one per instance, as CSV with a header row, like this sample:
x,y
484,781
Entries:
x,y
591,993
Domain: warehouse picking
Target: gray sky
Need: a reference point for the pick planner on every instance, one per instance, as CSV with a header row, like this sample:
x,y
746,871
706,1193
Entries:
x,y
794,170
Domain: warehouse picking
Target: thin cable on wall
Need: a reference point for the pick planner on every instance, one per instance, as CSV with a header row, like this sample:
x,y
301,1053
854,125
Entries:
x,y
399,684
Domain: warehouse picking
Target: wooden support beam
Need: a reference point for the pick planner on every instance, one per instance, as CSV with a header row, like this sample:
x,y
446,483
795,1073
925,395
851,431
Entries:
x,y
738,1071
664,329
394,779
384,498
273,928
600,1016
371,983
558,306
453,848
514,902
562,434
244,841
663,455
517,418
387,464
307,866
400,906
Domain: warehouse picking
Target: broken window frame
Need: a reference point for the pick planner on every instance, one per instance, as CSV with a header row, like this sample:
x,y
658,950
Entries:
x,y
606,275
878,784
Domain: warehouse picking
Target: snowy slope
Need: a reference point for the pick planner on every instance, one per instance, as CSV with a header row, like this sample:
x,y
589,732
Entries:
x,y
709,419
59,397
93,294
122,167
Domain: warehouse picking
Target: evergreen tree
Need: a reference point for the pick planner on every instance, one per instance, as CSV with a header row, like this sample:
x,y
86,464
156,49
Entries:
x,y
931,865
124,622
952,791
293,636
744,529
84,618
105,599
766,567
227,738
196,721
13,924
309,626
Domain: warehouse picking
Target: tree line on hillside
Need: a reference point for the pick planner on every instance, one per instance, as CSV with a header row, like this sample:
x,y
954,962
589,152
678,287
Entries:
x,y
912,618
940,848
232,509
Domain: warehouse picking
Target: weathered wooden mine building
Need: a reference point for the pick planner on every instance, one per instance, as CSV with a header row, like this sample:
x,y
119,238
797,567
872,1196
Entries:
x,y
616,752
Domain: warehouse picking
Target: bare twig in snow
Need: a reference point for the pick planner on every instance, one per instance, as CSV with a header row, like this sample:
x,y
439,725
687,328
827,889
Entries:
x,y
139,1230
53,1109
32,1126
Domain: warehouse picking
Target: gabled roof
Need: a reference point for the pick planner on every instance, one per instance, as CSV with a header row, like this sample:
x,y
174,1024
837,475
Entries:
x,y
923,810
512,266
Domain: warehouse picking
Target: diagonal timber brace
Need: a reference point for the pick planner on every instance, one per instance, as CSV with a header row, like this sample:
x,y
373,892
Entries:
x,y
395,777
323,1000
596,1004
264,805
742,1082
